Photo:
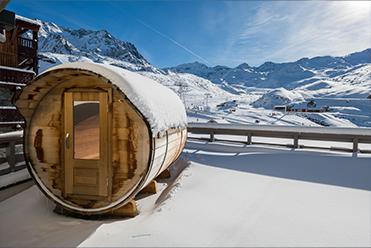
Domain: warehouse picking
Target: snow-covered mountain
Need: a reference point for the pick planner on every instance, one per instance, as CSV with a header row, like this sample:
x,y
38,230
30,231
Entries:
x,y
59,44
256,89
341,84
273,75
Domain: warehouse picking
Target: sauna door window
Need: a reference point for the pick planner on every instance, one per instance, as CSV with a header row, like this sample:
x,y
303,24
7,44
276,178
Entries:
x,y
86,143
86,130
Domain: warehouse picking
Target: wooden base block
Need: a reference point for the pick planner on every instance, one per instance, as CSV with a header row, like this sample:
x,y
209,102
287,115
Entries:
x,y
151,188
128,210
165,174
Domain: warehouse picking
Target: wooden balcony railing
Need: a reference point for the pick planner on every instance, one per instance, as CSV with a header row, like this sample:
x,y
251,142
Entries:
x,y
27,47
19,53
10,74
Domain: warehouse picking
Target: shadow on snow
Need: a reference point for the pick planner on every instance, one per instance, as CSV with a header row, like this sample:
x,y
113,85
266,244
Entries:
x,y
340,169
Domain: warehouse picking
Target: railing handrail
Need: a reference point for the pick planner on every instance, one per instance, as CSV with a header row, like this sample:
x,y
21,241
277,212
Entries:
x,y
9,141
339,134
301,130
26,42
24,38
11,136
8,68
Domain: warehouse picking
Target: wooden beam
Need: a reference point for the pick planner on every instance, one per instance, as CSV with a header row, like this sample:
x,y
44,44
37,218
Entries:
x,y
128,210
14,34
21,31
165,174
27,25
151,188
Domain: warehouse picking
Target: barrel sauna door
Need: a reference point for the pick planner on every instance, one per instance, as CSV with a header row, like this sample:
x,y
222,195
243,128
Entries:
x,y
86,144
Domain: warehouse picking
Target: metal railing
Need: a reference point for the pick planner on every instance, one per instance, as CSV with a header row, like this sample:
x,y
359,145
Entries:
x,y
296,133
12,161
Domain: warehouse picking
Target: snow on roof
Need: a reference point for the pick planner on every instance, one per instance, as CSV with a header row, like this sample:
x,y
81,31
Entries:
x,y
25,19
159,105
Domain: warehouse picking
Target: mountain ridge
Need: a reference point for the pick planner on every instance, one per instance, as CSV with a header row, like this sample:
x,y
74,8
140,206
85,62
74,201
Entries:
x,y
320,75
275,73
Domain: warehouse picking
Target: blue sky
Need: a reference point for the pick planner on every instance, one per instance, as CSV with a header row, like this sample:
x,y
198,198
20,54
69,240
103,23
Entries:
x,y
228,33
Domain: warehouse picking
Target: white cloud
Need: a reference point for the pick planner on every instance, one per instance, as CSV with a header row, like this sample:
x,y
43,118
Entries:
x,y
334,28
286,31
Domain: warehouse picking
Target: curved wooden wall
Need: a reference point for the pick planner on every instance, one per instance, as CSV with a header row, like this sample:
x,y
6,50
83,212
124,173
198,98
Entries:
x,y
136,156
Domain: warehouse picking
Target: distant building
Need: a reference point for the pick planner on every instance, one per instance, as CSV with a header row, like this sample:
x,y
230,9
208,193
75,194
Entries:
x,y
18,60
310,106
282,108
18,48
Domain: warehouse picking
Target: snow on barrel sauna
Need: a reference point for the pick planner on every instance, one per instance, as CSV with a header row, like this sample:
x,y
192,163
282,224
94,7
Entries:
x,y
96,135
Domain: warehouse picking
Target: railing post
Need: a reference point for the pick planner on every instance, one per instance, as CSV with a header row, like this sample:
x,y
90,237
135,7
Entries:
x,y
212,138
296,141
249,138
10,155
355,145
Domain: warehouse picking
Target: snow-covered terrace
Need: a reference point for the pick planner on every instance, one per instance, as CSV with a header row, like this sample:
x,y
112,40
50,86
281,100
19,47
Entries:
x,y
221,194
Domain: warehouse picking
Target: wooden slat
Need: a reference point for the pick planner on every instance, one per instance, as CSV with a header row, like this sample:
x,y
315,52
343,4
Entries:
x,y
104,144
68,146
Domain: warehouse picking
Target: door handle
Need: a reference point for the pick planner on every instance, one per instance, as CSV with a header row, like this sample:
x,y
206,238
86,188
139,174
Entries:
x,y
67,141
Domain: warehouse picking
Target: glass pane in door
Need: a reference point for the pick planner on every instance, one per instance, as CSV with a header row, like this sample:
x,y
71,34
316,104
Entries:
x,y
86,129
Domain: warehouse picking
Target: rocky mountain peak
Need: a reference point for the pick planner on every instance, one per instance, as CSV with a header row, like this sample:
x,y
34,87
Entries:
x,y
94,45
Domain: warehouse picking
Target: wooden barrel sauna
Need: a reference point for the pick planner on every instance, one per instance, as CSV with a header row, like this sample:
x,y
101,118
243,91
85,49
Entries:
x,y
97,134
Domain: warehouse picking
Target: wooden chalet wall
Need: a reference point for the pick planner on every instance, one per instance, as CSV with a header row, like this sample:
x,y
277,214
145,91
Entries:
x,y
18,66
19,51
